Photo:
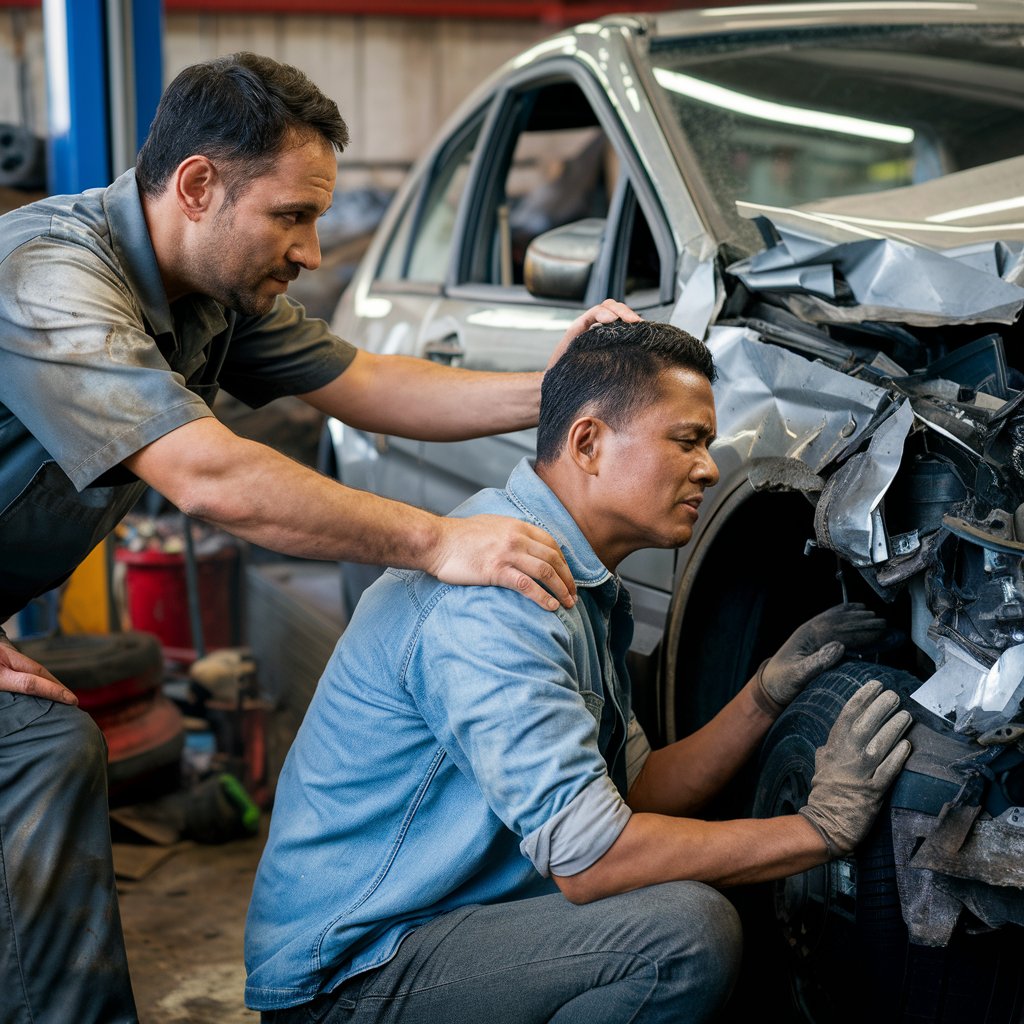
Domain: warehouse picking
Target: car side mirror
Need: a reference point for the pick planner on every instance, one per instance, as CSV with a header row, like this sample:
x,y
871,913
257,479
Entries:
x,y
558,263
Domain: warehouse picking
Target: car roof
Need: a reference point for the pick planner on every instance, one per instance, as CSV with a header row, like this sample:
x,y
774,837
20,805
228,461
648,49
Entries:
x,y
793,16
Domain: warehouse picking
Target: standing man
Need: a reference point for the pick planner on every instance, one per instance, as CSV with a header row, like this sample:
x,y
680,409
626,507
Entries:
x,y
471,826
122,311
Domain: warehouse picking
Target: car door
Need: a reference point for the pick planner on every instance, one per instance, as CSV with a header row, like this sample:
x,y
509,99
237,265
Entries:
x,y
553,154
394,294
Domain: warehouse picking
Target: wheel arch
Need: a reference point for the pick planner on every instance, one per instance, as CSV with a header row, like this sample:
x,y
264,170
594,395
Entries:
x,y
751,548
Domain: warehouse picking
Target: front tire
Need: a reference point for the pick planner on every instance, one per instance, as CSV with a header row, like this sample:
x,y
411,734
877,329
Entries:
x,y
838,928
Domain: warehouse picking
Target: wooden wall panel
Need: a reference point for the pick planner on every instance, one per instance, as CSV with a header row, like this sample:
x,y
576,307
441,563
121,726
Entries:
x,y
30,25
188,38
398,88
329,51
394,79
257,33
468,51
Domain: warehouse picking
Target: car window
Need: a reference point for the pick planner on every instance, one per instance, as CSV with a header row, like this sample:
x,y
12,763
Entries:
x,y
392,264
428,221
641,286
558,167
785,121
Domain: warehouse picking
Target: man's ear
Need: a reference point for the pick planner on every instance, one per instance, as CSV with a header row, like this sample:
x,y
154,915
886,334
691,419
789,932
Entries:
x,y
196,184
584,441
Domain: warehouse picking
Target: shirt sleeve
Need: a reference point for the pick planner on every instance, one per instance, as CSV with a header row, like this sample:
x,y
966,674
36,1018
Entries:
x,y
495,678
77,366
285,352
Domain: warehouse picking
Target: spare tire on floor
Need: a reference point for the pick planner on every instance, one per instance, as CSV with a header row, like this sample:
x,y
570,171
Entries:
x,y
117,679
840,928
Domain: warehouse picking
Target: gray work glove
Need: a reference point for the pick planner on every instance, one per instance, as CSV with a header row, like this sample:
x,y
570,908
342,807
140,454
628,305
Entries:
x,y
815,646
855,766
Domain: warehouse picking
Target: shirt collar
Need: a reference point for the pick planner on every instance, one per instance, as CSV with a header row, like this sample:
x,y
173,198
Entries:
x,y
539,502
129,238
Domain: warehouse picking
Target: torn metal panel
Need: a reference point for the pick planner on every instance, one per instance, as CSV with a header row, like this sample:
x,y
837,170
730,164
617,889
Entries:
x,y
848,518
902,566
774,474
773,402
957,672
932,898
996,697
700,300
951,423
996,532
830,272
980,699
994,905
992,852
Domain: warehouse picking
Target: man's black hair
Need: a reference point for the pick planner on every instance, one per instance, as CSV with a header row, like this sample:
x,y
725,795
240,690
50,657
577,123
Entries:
x,y
611,370
238,111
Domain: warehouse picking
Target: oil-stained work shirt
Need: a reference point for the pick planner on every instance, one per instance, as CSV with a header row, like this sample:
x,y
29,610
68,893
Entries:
x,y
463,745
95,364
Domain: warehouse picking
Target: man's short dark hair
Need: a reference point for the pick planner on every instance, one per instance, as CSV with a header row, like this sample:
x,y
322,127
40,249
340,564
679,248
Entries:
x,y
611,371
239,111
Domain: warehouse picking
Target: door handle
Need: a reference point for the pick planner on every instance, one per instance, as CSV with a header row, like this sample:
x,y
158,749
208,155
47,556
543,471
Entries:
x,y
445,350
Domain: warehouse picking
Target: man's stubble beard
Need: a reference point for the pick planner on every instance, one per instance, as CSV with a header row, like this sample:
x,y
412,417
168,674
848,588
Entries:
x,y
241,297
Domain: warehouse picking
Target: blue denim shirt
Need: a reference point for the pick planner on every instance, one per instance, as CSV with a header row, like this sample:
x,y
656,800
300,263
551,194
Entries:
x,y
95,364
460,748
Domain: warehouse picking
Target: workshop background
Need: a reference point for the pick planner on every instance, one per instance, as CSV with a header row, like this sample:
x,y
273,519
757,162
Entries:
x,y
197,654
869,408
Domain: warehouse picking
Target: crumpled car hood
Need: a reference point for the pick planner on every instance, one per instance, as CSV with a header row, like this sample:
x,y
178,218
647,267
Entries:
x,y
839,428
925,255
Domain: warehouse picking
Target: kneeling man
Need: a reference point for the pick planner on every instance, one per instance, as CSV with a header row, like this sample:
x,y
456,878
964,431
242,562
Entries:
x,y
471,826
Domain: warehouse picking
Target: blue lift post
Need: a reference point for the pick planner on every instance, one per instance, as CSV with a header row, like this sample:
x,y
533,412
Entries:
x,y
104,79
147,45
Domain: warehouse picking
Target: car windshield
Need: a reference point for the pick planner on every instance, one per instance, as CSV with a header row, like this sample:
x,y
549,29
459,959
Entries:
x,y
786,121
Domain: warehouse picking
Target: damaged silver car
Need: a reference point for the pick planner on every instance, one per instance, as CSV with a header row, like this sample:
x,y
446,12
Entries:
x,y
832,195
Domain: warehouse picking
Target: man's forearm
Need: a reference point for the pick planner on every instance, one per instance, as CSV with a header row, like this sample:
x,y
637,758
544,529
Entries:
x,y
653,848
681,778
418,399
260,495
264,497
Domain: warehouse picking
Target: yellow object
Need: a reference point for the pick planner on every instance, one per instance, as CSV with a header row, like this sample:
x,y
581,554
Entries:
x,y
84,606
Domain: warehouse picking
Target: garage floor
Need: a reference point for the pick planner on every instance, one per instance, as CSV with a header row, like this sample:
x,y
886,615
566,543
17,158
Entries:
x,y
183,928
184,920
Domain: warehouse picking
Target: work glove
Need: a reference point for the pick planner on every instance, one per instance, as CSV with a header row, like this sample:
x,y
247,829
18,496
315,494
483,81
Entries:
x,y
815,646
856,765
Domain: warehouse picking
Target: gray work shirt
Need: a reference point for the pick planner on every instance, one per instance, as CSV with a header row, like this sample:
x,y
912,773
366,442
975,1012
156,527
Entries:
x,y
95,364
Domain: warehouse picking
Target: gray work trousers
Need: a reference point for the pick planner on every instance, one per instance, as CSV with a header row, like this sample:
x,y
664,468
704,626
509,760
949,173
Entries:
x,y
665,953
62,952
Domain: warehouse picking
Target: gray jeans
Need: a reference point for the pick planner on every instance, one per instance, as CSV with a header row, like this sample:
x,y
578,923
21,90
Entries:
x,y
61,949
665,953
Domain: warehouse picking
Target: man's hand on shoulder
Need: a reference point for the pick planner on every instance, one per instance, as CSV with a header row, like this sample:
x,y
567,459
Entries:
x,y
19,674
605,313
487,550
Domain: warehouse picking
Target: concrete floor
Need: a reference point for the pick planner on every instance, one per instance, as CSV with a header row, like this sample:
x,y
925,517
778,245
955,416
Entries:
x,y
183,928
184,921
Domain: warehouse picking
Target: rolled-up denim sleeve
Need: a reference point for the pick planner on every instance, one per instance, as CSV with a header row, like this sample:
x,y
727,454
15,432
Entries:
x,y
581,833
496,679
